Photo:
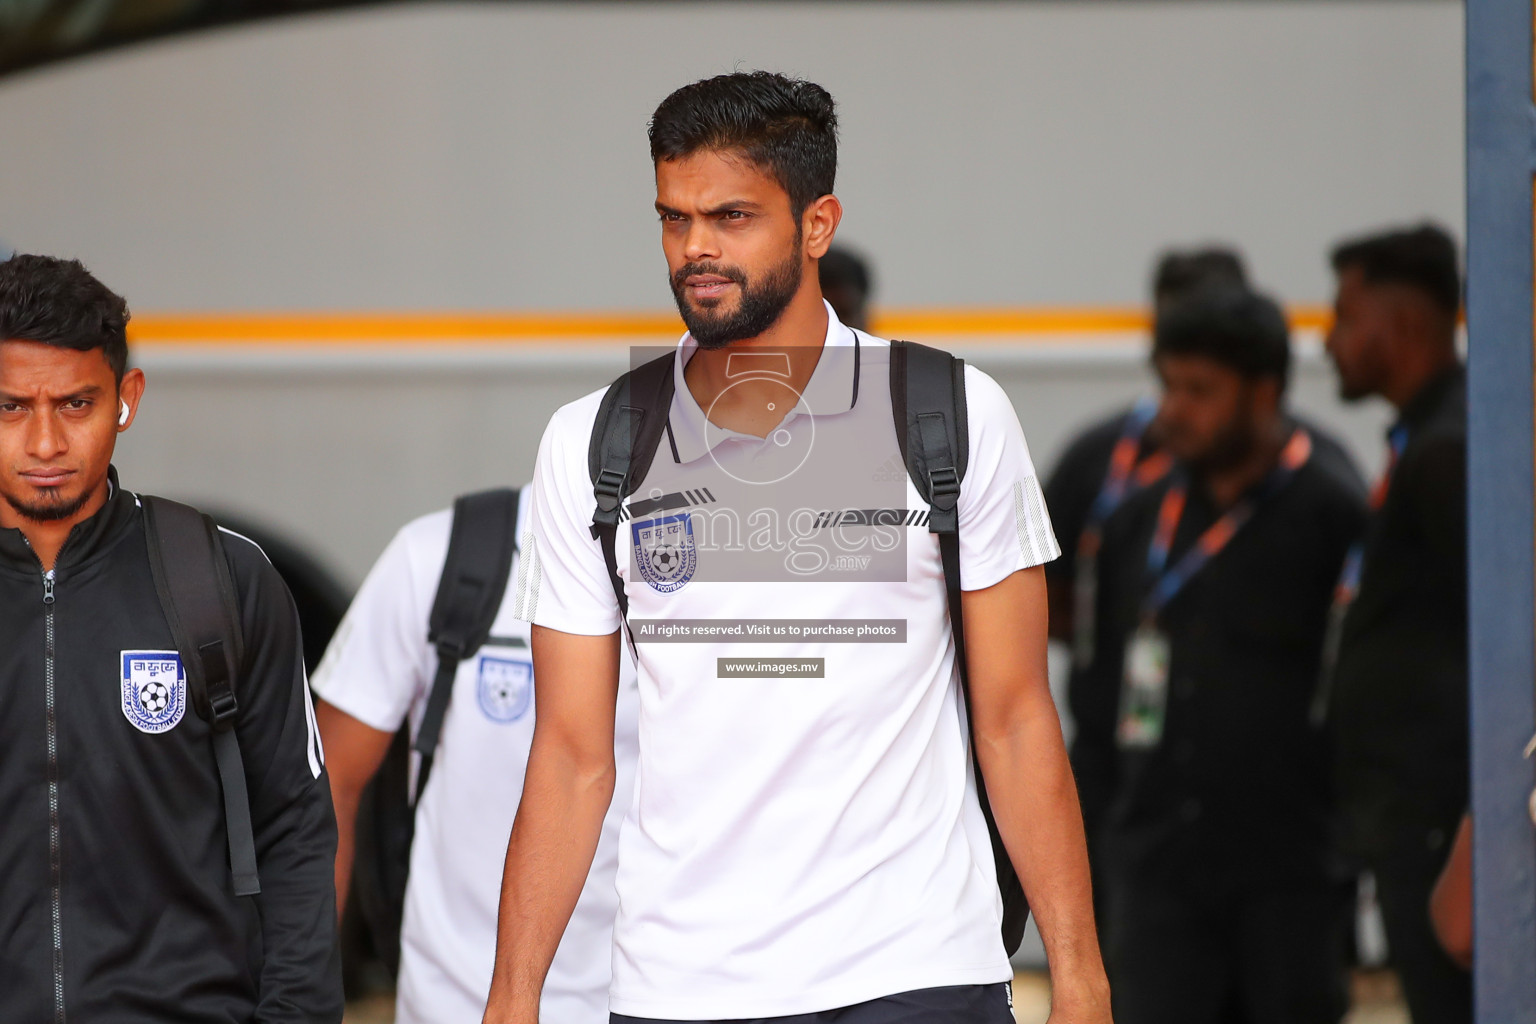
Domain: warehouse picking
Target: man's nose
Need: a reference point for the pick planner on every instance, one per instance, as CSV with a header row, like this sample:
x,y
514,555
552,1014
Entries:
x,y
46,438
702,242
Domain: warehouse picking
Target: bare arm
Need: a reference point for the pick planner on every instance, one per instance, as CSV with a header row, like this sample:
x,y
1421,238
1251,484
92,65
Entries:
x,y
1030,785
353,752
566,793
1450,905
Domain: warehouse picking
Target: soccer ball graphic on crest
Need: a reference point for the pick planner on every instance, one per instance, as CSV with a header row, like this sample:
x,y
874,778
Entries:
x,y
154,696
665,558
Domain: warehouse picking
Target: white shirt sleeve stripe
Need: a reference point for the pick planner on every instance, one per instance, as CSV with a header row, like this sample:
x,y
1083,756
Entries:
x,y
528,570
313,748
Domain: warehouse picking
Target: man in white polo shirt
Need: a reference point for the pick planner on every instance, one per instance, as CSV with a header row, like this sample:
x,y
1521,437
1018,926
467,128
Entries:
x,y
805,842
377,672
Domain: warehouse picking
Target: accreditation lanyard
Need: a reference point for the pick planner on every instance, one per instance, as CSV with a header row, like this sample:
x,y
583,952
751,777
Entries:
x,y
1168,581
1354,561
1125,476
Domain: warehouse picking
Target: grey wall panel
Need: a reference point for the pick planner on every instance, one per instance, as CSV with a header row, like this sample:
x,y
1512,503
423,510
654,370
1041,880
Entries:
x,y
451,156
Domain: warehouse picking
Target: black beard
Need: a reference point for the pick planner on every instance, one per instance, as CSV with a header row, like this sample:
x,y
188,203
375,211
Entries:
x,y
1230,448
760,306
47,513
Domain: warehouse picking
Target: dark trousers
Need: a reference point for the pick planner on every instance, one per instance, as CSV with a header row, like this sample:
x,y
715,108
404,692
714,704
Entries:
x,y
1437,991
956,1004
1273,956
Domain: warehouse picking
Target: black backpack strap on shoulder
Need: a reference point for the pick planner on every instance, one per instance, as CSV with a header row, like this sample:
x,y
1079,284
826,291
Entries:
x,y
928,402
625,435
469,593
197,594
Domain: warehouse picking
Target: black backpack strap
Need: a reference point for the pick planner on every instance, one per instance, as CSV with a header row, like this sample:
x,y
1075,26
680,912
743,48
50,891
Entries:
x,y
469,593
625,435
928,403
197,594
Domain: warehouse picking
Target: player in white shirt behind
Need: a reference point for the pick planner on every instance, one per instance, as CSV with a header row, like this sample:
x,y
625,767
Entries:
x,y
377,672
805,842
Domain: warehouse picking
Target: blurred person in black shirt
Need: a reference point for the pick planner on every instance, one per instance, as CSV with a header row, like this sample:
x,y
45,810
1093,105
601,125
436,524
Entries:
x,y
1213,597
1082,475
1397,704
1106,464
1100,468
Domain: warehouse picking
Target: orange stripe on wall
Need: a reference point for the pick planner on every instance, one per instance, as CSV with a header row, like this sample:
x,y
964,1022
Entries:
x,y
375,328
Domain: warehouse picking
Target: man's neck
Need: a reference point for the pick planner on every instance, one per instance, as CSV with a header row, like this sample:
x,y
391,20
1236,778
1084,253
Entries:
x,y
1415,370
757,403
47,537
1232,481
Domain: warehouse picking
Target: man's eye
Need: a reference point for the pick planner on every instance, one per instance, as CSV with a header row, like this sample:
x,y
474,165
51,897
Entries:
x,y
77,404
9,407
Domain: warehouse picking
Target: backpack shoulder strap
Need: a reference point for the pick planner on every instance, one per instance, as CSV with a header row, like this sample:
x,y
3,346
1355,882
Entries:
x,y
197,595
469,593
929,409
625,435
928,405
928,402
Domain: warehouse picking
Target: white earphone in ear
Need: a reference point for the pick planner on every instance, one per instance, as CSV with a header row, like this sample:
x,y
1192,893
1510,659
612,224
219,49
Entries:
x,y
123,413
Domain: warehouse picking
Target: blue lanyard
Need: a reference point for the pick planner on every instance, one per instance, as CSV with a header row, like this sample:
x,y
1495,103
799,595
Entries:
x,y
1167,582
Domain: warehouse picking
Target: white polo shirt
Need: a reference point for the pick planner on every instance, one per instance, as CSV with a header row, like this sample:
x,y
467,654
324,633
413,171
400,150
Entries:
x,y
804,834
379,669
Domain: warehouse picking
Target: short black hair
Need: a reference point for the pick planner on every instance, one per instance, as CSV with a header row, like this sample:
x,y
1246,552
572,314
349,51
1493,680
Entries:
x,y
787,126
843,267
1229,324
1422,258
58,302
1182,271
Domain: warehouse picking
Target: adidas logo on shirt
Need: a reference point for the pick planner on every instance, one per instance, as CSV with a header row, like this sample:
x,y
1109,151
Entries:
x,y
889,471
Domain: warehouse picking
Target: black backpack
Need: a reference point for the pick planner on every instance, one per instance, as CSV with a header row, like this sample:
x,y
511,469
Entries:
x,y
469,592
197,595
928,406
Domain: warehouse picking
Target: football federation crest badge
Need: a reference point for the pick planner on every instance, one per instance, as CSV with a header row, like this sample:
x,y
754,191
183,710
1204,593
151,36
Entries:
x,y
154,690
664,551
505,688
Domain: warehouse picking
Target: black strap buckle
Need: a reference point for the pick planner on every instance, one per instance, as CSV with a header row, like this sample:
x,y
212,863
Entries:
x,y
449,650
607,488
224,706
944,482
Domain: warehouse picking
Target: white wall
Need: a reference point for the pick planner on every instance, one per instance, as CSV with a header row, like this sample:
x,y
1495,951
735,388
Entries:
x,y
456,156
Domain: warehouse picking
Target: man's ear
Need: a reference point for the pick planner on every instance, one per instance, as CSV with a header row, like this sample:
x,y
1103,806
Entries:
x,y
131,391
818,225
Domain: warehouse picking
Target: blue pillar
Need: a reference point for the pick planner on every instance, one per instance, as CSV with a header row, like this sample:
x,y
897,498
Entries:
x,y
1501,159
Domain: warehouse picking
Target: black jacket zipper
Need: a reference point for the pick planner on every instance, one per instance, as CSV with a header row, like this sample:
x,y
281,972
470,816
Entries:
x,y
55,858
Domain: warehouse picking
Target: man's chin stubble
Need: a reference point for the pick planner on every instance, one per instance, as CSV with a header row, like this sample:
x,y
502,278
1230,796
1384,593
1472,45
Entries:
x,y
50,512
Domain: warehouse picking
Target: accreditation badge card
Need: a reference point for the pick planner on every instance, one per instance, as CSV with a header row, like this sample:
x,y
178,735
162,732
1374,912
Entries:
x,y
1144,695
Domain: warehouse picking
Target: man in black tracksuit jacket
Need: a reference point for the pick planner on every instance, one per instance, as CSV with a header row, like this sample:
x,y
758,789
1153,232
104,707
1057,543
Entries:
x,y
116,896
